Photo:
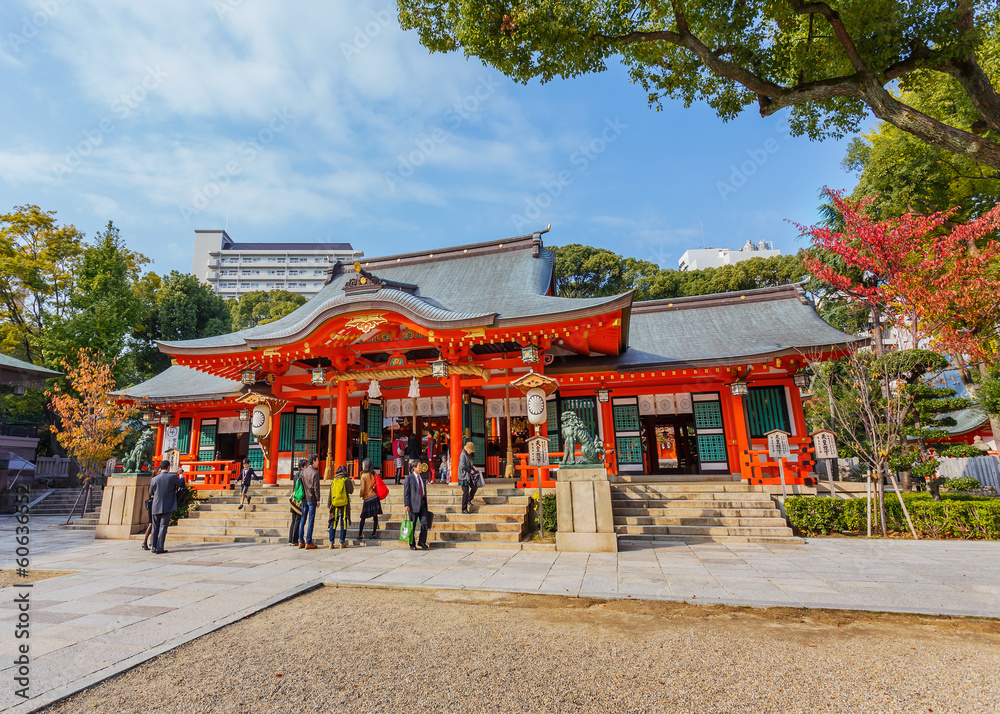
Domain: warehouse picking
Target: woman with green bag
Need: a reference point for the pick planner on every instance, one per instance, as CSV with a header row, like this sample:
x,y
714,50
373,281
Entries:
x,y
295,502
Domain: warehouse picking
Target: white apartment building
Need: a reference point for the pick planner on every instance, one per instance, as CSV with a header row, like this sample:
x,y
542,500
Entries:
x,y
702,258
232,269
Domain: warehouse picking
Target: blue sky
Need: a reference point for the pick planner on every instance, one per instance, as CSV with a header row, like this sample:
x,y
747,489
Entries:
x,y
314,121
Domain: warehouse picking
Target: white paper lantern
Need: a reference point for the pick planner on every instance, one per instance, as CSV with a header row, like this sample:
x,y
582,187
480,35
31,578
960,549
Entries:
x,y
261,420
374,391
535,402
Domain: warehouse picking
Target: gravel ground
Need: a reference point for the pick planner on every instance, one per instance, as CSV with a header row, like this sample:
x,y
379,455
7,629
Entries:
x,y
387,650
9,577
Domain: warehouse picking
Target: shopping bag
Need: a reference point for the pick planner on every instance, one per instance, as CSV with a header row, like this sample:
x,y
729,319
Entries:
x,y
430,520
381,490
406,531
480,482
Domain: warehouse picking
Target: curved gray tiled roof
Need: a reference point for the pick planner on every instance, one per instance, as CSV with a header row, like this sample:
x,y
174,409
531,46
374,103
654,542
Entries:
x,y
479,289
966,420
718,329
182,384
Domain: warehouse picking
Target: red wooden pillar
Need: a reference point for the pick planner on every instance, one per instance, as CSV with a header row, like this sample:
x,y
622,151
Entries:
x,y
271,444
340,454
608,437
160,429
739,431
455,423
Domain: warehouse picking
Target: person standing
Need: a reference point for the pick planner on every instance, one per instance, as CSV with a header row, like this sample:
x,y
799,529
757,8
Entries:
x,y
310,488
341,489
468,476
431,451
415,501
398,455
372,507
163,490
296,508
246,475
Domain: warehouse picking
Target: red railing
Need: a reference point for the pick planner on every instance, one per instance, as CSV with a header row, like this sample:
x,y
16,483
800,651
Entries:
x,y
528,477
763,470
215,477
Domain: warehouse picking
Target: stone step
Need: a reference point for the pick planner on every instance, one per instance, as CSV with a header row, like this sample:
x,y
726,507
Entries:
x,y
320,536
733,487
703,530
385,542
277,529
707,512
640,540
666,504
675,478
765,522
432,499
460,520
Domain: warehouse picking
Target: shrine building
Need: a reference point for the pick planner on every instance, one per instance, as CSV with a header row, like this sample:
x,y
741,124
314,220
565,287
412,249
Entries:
x,y
427,343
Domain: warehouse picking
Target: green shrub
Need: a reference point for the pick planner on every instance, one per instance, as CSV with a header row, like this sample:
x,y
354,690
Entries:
x,y
926,469
549,513
962,451
954,516
963,483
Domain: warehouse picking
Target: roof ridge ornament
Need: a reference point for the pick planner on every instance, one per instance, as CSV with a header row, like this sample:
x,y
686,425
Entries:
x,y
365,282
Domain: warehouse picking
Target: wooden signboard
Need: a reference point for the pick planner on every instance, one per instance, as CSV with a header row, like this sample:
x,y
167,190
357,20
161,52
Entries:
x,y
825,445
777,444
538,451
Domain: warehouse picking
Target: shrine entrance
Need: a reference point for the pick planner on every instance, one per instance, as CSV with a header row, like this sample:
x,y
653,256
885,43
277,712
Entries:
x,y
671,444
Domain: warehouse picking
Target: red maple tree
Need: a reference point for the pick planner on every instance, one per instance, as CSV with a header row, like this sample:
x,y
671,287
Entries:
x,y
936,279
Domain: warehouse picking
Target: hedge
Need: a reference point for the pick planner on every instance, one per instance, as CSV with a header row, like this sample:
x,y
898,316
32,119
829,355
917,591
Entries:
x,y
954,516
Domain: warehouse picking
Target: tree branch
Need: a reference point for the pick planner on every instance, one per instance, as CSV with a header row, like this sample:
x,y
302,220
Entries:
x,y
843,36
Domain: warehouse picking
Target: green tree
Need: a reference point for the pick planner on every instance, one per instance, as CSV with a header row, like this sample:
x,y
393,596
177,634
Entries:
x,y
904,175
174,307
583,271
830,63
104,305
38,264
260,307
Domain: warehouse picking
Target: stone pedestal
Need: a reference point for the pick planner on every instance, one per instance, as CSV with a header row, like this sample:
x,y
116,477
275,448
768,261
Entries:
x,y
583,501
123,507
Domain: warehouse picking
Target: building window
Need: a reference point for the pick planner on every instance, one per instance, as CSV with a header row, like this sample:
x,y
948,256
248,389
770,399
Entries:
x,y
767,410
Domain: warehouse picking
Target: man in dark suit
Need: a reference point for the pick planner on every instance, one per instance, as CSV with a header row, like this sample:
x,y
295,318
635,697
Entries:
x,y
163,490
415,501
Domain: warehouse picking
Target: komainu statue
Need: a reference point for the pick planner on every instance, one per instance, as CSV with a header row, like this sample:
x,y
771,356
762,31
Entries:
x,y
575,432
133,462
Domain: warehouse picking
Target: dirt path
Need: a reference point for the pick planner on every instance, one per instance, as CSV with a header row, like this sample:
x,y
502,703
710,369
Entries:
x,y
387,650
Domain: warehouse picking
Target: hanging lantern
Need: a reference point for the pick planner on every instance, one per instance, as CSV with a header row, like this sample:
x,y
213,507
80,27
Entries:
x,y
318,376
439,368
603,394
738,389
260,422
248,376
801,380
165,418
536,405
244,415
414,392
529,354
374,391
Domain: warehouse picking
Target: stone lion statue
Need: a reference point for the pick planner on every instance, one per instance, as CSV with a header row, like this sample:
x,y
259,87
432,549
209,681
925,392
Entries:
x,y
575,432
133,462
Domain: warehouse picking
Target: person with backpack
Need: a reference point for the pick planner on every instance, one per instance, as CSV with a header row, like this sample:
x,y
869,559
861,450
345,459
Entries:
x,y
246,475
310,497
341,489
372,507
398,456
295,502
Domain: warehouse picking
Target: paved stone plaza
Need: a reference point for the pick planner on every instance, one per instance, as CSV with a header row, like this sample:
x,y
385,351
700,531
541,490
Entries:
x,y
126,605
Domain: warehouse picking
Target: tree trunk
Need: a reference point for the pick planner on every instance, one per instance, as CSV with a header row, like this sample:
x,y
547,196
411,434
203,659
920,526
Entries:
x,y
881,502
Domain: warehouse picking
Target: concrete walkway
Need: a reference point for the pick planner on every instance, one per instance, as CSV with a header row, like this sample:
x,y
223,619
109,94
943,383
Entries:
x,y
126,605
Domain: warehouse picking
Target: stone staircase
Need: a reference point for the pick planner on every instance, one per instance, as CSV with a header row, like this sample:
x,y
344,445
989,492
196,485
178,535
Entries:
x,y
499,518
653,508
60,503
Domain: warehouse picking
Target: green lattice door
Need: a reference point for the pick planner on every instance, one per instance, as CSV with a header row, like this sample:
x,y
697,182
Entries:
x,y
474,425
767,410
552,423
305,434
711,433
256,456
206,442
585,408
628,434
373,431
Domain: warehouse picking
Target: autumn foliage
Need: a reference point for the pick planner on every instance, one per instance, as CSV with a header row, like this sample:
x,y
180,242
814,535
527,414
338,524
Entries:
x,y
936,279
92,425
